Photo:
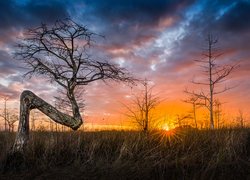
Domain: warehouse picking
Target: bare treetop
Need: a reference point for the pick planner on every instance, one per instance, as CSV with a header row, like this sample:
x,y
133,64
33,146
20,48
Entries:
x,y
219,72
60,52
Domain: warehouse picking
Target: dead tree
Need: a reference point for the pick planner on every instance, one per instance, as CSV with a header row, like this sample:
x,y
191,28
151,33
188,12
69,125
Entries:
x,y
140,110
215,74
12,119
181,118
4,115
240,118
61,53
218,112
33,119
194,101
9,115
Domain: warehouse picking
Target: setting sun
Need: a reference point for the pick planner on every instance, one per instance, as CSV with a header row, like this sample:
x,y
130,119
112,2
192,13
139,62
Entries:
x,y
165,127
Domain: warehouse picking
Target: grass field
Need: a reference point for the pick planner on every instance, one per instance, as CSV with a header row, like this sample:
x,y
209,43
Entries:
x,y
179,154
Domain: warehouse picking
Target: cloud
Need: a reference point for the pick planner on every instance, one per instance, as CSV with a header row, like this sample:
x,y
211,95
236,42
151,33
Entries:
x,y
140,11
16,16
7,64
237,18
154,39
126,22
8,92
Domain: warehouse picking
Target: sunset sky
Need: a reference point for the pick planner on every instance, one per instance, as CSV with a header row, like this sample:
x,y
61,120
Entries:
x,y
154,39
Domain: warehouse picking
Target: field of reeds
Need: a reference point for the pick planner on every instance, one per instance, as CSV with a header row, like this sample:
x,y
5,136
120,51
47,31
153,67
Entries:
x,y
176,154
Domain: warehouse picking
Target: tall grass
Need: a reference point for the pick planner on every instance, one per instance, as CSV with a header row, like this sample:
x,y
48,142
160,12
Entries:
x,y
180,154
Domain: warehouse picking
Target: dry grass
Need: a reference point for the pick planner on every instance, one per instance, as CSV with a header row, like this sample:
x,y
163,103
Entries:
x,y
183,154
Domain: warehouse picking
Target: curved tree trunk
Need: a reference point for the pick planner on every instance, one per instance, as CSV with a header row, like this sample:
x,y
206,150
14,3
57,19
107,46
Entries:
x,y
29,101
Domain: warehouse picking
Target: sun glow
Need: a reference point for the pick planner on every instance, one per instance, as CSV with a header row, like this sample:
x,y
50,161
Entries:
x,y
165,127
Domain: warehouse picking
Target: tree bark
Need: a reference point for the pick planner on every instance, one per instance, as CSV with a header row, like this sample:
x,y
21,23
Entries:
x,y
29,101
211,82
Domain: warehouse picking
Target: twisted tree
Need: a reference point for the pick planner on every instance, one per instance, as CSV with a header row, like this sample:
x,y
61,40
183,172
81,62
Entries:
x,y
60,52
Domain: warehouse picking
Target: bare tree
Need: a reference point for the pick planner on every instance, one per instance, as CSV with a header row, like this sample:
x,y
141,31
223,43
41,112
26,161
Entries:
x,y
218,112
11,120
240,118
9,116
61,53
4,114
215,74
33,119
140,110
180,118
195,102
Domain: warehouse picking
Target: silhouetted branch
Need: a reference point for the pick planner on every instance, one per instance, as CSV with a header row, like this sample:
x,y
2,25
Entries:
x,y
61,53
